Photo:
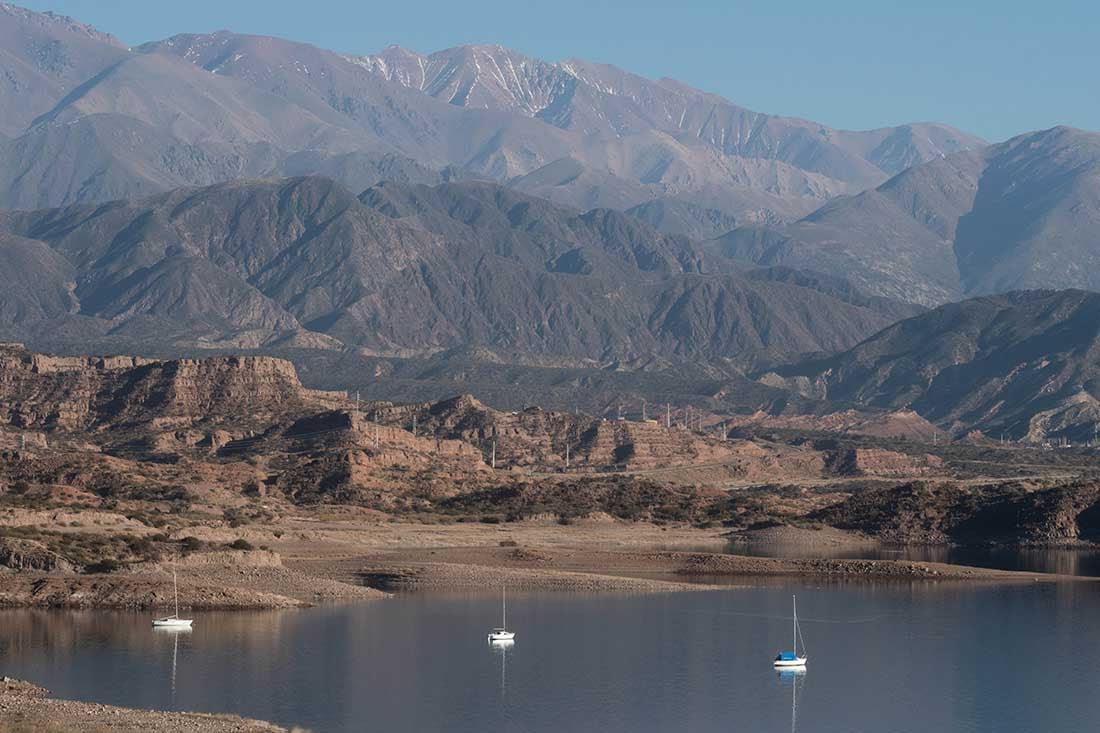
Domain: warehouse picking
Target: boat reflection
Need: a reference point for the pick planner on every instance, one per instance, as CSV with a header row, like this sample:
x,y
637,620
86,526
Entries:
x,y
175,632
502,647
796,679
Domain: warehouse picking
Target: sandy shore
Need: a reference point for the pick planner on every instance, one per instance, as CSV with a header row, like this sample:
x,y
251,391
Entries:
x,y
603,558
233,581
318,562
25,707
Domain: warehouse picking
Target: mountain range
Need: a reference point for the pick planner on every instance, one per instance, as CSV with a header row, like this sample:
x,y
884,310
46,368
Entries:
x,y
472,213
408,269
91,120
1019,214
1023,364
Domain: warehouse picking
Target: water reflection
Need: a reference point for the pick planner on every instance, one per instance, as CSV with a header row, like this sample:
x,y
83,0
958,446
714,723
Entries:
x,y
795,679
692,661
175,633
501,647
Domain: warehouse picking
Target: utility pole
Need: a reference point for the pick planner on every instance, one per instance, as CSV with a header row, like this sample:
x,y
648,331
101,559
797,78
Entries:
x,y
414,424
668,415
494,453
567,455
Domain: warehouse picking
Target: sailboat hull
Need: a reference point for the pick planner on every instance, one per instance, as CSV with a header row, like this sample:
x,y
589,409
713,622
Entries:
x,y
172,623
789,663
502,636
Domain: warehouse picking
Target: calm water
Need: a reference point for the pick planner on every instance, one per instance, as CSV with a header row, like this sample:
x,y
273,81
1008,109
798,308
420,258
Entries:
x,y
887,657
1065,562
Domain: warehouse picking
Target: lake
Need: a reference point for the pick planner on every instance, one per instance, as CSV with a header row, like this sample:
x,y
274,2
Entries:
x,y
883,657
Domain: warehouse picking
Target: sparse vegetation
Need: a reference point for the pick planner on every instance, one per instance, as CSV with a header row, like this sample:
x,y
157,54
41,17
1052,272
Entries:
x,y
188,545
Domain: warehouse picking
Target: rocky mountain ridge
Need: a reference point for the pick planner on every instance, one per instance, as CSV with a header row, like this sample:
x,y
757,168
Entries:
x,y
405,269
1019,214
1020,365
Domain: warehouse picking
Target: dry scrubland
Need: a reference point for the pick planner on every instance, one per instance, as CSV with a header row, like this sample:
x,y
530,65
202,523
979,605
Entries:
x,y
264,494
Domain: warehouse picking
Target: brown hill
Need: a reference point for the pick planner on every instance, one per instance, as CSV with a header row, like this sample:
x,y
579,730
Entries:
x,y
938,513
1021,365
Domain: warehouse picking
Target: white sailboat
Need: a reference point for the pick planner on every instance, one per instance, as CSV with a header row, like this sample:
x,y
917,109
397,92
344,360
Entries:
x,y
793,659
501,633
174,621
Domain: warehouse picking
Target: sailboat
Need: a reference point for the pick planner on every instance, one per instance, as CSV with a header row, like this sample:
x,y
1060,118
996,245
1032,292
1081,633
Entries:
x,y
792,658
501,633
174,621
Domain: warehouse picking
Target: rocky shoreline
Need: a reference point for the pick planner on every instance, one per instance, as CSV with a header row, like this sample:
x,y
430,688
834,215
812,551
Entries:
x,y
27,707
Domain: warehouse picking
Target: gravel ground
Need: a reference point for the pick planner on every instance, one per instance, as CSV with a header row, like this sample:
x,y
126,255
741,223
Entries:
x,y
225,582
26,708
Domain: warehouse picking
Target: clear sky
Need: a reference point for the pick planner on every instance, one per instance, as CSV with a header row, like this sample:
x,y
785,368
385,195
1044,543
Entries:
x,y
992,67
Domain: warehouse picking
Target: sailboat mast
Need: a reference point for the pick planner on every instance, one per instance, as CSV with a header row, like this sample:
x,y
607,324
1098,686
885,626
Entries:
x,y
794,627
504,607
176,592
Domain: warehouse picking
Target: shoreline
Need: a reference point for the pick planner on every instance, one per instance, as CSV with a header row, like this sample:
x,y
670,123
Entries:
x,y
25,706
638,570
343,561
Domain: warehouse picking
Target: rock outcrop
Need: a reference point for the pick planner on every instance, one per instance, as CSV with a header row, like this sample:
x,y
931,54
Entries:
x,y
41,392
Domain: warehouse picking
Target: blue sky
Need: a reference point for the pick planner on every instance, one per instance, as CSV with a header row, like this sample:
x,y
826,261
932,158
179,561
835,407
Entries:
x,y
993,68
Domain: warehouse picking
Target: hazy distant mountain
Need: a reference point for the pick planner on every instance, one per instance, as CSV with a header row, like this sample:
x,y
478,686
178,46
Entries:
x,y
1020,214
407,269
606,102
1026,364
197,109
44,57
577,166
